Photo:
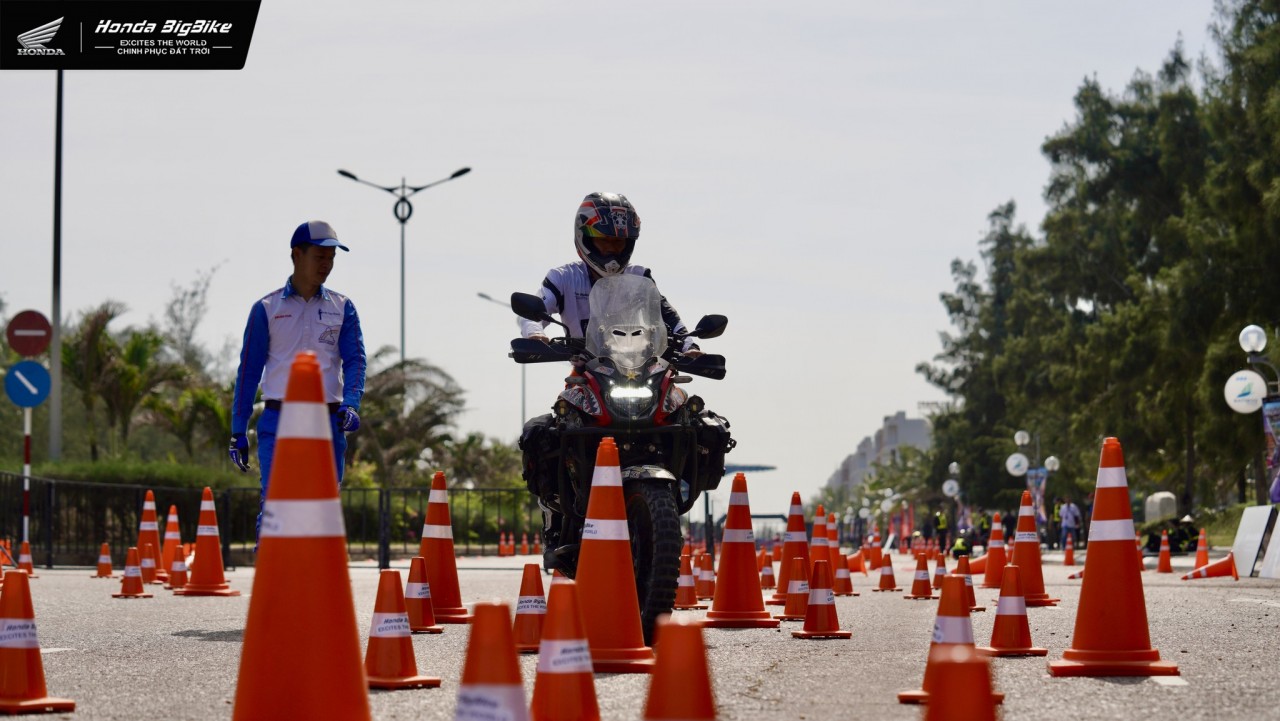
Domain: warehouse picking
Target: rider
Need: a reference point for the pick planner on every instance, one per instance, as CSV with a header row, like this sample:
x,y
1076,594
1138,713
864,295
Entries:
x,y
605,229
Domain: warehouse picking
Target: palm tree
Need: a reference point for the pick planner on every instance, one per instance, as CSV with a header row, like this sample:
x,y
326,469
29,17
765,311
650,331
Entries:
x,y
408,406
86,356
132,375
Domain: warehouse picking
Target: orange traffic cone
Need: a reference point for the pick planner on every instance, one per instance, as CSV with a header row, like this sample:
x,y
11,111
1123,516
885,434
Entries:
x,y
104,563
1077,575
172,540
24,561
940,572
149,532
1011,635
537,546
148,564
857,562
795,544
887,581
978,566
417,599
706,585
818,544
491,686
767,580
177,574
524,543
996,557
963,678
1220,568
131,585
302,547
797,592
531,610
207,578
952,628
1026,556
680,689
737,601
1069,555
1111,634
820,620
962,570
686,595
841,582
565,688
920,587
437,550
605,579
388,659
1202,550
22,688
1165,562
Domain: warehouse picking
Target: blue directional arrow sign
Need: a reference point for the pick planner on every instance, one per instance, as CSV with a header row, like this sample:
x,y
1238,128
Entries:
x,y
27,384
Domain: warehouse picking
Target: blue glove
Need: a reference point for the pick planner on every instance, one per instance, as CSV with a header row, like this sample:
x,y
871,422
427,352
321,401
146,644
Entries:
x,y
348,419
239,451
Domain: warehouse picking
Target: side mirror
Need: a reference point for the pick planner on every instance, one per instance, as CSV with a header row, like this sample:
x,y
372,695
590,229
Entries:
x,y
711,326
529,307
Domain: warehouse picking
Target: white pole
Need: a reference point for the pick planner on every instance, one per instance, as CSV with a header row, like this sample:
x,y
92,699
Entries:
x,y
26,472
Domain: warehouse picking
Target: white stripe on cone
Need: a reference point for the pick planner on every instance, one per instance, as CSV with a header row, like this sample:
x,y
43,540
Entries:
x,y
303,519
1117,530
564,656
306,420
601,530
389,625
953,629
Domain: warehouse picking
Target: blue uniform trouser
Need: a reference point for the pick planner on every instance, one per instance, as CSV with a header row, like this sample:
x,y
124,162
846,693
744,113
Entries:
x,y
267,424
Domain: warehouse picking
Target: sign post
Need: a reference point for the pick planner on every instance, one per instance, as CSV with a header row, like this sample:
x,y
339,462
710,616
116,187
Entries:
x,y
27,384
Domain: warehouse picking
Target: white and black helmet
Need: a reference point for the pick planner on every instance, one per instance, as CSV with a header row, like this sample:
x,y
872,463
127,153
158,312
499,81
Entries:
x,y
605,215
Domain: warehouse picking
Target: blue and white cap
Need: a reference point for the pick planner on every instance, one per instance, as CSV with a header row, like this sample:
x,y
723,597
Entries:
x,y
316,232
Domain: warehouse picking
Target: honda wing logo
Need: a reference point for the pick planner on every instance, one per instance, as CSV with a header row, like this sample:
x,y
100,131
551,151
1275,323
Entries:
x,y
33,40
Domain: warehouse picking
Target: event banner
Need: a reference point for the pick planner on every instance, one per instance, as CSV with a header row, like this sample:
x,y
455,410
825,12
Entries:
x,y
126,35
1271,428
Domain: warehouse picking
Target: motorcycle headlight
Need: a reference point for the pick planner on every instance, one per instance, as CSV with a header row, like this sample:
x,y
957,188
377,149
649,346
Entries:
x,y
634,402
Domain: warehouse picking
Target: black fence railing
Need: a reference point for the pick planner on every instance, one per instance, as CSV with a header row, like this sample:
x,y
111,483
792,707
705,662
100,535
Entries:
x,y
70,520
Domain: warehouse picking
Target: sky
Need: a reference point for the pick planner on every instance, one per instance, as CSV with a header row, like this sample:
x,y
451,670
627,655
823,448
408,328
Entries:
x,y
808,169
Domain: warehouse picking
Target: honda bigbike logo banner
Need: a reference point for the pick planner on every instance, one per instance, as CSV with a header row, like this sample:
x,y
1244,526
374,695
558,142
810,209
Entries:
x,y
126,35
1271,427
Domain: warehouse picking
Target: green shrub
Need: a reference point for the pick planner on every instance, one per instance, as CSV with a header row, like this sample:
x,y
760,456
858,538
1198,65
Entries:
x,y
150,474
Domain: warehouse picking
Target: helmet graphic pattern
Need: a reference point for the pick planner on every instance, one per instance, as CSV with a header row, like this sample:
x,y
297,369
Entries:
x,y
605,215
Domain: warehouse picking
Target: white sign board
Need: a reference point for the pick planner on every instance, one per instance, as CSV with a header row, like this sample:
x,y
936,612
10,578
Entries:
x,y
951,488
1248,544
1244,391
1271,562
1017,464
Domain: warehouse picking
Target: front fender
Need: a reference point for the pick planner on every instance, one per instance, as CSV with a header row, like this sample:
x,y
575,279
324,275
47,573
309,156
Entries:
x,y
645,473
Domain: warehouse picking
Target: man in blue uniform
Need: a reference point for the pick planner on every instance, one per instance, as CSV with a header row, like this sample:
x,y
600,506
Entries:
x,y
304,315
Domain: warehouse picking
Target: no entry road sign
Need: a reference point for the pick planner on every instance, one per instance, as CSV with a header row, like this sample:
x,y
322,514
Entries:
x,y
27,384
29,333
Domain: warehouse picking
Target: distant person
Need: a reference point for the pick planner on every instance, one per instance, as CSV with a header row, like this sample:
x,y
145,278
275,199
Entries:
x,y
1071,520
1010,523
304,315
940,528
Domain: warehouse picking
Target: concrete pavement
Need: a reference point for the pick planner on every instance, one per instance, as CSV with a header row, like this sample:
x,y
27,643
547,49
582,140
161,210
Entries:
x,y
178,658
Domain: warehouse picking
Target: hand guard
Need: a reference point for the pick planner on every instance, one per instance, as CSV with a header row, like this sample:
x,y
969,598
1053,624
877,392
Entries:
x,y
239,452
348,419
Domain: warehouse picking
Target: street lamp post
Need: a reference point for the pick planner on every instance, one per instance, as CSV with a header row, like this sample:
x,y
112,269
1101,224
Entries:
x,y
1253,340
1037,474
523,417
403,210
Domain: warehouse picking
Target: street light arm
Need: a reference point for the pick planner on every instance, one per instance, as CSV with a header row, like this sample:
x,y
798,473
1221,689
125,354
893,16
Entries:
x,y
352,176
1260,360
456,174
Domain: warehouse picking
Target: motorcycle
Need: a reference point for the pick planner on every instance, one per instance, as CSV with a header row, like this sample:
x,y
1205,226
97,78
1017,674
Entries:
x,y
626,385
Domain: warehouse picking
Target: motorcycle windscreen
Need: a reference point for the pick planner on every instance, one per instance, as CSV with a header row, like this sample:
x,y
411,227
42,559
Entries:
x,y
626,321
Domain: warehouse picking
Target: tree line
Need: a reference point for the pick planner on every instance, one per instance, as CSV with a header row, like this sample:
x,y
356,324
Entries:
x,y
1120,316
154,392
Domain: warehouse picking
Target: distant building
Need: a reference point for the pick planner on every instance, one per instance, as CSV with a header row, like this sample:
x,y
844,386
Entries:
x,y
896,431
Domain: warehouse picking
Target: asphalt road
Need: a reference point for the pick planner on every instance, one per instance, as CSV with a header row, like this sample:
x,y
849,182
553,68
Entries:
x,y
177,658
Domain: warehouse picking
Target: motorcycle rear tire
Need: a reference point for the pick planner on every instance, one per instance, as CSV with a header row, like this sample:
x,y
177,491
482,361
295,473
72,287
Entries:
x,y
656,542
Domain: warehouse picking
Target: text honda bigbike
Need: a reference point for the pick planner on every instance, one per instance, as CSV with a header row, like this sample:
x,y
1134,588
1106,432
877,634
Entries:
x,y
626,384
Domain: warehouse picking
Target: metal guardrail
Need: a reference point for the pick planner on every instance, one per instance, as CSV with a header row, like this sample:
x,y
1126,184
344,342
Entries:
x,y
70,520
